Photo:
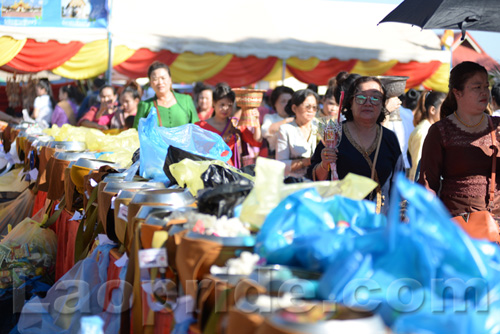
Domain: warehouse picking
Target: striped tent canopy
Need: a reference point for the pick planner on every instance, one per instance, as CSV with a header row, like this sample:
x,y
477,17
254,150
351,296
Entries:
x,y
238,42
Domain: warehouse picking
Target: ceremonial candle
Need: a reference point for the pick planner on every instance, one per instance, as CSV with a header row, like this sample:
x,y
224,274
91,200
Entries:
x,y
340,105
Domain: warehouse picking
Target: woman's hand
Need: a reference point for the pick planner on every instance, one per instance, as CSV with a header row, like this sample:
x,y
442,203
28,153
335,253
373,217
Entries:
x,y
276,126
103,107
90,124
392,104
102,110
328,155
102,127
321,170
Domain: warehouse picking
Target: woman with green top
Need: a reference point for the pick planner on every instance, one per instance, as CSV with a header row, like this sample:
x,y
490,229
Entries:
x,y
174,109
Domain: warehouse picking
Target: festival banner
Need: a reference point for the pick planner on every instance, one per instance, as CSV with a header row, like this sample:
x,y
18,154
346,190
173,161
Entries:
x,y
55,13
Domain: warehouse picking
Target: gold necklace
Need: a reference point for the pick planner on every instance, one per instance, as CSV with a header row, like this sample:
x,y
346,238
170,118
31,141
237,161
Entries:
x,y
467,125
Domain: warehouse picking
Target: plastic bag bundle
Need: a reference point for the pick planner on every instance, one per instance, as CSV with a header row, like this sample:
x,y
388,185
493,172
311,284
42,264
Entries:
x,y
127,140
155,141
269,190
28,252
13,181
118,148
423,276
306,230
176,155
222,200
121,147
196,175
71,133
78,293
15,211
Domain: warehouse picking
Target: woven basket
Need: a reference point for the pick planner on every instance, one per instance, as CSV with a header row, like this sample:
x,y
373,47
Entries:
x,y
248,98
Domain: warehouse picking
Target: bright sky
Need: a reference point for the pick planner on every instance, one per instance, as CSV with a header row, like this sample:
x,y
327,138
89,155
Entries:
x,y
489,41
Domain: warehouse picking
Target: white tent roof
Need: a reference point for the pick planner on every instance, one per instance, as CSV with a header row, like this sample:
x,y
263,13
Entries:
x,y
263,28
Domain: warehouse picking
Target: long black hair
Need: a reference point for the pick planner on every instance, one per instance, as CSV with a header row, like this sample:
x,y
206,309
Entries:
x,y
458,77
73,93
425,102
156,65
44,83
133,88
222,90
275,95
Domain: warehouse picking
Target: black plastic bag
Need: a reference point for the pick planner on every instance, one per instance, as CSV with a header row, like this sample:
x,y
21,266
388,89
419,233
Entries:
x,y
294,179
250,170
221,200
136,155
175,155
216,175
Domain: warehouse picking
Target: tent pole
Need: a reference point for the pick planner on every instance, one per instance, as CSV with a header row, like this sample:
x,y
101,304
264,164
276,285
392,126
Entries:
x,y
109,74
283,72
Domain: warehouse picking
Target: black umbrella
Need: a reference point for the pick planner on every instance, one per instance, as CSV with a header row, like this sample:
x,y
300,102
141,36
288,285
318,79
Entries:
x,y
463,15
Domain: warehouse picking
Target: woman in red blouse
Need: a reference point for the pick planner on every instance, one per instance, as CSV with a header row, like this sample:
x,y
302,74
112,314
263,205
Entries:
x,y
99,116
221,123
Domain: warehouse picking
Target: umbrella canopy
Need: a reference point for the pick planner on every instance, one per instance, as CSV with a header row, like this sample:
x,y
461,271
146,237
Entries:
x,y
463,15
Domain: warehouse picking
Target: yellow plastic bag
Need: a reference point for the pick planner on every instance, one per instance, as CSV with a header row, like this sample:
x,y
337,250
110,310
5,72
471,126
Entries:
x,y
30,231
70,133
353,186
16,210
13,182
269,190
265,195
119,147
124,141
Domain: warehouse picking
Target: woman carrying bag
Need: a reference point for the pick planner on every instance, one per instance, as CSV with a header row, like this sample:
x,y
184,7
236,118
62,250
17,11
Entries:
x,y
459,156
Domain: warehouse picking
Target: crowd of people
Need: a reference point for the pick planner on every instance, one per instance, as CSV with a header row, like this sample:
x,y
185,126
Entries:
x,y
438,139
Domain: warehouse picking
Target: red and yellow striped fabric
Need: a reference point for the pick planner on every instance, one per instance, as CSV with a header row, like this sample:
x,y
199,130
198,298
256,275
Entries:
x,y
76,60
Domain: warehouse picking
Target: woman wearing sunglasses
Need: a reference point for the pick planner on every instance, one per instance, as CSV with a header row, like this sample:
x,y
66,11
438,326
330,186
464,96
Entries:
x,y
366,148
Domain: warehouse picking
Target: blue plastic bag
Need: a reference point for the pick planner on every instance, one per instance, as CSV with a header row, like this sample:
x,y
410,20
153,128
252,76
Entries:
x,y
155,140
302,230
314,251
419,276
